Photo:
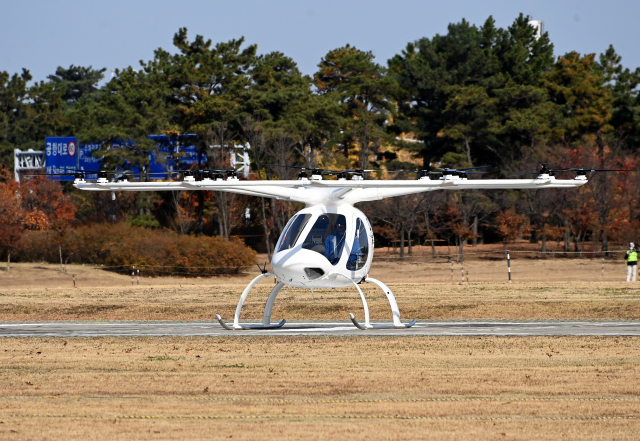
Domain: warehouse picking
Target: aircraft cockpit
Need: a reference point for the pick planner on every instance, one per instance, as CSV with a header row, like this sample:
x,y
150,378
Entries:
x,y
331,235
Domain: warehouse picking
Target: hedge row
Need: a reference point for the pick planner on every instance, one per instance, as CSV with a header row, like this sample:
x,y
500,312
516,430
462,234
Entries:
x,y
156,252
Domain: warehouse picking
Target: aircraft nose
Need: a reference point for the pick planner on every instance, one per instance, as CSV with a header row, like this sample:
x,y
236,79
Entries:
x,y
301,266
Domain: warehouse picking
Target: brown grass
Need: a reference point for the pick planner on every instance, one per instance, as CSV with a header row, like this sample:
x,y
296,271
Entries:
x,y
416,387
570,289
321,387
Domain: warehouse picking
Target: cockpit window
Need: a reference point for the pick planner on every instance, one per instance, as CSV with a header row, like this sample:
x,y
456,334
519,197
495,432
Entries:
x,y
292,231
327,236
360,248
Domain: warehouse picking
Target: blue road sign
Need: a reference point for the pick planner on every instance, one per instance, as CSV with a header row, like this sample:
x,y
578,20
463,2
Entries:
x,y
61,156
64,155
87,161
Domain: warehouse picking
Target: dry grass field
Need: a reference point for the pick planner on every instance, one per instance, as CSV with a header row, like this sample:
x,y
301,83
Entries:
x,y
541,289
323,387
319,388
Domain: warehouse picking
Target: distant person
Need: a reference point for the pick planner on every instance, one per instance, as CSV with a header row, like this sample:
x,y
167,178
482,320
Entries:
x,y
631,257
335,242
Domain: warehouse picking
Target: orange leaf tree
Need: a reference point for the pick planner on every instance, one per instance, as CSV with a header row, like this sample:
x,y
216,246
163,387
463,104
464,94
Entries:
x,y
511,225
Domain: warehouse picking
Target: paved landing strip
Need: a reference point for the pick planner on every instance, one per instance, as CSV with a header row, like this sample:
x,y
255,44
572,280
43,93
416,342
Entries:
x,y
450,328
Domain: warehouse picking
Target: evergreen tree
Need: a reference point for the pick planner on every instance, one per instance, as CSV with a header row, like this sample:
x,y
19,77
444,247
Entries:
x,y
461,92
209,85
276,87
622,83
28,114
363,89
79,81
576,86
132,106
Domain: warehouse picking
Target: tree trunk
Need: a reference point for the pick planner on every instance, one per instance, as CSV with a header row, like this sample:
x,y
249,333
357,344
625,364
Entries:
x,y
61,267
475,231
409,239
274,214
266,229
220,224
9,261
468,149
605,243
543,250
461,241
402,242
430,233
200,212
567,237
226,215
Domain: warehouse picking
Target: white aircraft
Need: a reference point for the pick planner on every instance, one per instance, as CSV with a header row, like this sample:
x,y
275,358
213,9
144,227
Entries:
x,y
328,244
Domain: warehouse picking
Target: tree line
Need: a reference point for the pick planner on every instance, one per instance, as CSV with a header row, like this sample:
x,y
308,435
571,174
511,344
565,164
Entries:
x,y
475,96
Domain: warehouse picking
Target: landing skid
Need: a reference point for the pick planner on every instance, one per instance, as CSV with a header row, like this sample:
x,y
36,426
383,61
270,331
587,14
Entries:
x,y
269,326
358,325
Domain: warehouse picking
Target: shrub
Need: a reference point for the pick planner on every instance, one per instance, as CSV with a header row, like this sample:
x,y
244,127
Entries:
x,y
156,252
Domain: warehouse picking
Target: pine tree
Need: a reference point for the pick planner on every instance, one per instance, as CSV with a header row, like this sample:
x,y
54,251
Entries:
x,y
363,89
78,81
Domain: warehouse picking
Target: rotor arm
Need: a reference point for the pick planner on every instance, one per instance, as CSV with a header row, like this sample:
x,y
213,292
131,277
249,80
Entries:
x,y
338,191
376,190
255,188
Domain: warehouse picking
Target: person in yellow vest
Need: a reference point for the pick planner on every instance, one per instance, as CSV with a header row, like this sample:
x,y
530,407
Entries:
x,y
631,257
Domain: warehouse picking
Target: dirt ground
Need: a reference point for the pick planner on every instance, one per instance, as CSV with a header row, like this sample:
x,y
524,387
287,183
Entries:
x,y
541,289
363,388
486,263
320,387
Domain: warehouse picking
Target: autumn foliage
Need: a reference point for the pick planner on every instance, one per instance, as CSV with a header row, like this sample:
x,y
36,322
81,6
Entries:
x,y
156,252
511,225
33,205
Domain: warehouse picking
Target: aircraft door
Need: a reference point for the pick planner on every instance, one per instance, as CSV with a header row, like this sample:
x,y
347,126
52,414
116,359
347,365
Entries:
x,y
359,247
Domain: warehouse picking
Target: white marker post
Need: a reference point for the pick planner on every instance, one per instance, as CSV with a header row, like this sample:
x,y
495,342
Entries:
x,y
509,265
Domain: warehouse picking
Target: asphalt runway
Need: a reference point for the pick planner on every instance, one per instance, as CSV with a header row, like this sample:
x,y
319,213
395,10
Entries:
x,y
429,328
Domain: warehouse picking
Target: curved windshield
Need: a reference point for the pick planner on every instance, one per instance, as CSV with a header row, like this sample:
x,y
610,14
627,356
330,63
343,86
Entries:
x,y
327,236
360,248
292,231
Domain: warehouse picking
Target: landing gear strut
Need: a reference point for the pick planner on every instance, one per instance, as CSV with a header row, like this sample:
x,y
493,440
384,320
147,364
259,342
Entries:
x,y
392,302
268,308
266,317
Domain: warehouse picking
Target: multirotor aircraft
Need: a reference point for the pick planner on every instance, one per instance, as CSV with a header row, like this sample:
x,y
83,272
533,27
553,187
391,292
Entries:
x,y
329,243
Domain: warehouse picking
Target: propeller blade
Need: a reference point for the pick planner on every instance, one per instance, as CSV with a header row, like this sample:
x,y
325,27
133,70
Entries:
x,y
416,171
607,170
474,168
358,171
462,169
302,168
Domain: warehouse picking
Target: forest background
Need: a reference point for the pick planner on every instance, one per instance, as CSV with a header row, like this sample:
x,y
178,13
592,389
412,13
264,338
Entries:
x,y
477,96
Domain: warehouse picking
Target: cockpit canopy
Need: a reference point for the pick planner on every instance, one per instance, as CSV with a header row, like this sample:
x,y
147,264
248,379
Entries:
x,y
328,237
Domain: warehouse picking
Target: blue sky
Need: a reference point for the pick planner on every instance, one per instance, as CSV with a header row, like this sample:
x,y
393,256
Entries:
x,y
41,35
